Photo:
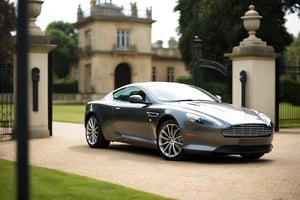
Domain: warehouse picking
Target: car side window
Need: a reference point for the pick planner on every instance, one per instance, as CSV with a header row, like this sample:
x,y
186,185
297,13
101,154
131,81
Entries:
x,y
125,93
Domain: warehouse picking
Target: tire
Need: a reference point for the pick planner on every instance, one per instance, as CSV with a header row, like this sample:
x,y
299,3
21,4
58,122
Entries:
x,y
93,133
170,141
252,156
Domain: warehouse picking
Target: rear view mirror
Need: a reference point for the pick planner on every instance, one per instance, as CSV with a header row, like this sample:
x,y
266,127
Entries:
x,y
136,99
219,98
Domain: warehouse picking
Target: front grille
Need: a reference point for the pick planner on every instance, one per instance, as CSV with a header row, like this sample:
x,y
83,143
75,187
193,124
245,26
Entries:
x,y
248,130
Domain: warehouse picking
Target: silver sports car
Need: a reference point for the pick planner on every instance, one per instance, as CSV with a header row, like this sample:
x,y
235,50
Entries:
x,y
176,119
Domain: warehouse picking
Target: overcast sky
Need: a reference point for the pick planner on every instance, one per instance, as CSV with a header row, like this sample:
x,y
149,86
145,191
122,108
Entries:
x,y
162,11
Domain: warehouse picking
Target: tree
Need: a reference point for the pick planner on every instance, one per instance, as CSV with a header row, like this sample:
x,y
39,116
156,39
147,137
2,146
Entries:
x,y
7,25
65,37
218,23
293,52
67,28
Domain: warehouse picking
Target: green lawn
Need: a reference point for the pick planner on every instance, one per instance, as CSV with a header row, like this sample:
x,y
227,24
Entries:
x,y
68,113
75,113
289,115
6,114
52,184
61,112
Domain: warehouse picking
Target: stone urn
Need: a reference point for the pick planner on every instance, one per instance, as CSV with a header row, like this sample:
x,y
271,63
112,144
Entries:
x,y
251,22
252,44
34,10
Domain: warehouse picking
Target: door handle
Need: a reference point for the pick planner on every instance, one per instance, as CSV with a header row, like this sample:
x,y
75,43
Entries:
x,y
152,114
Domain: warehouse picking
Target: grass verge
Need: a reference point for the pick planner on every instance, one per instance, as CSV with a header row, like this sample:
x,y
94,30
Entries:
x,y
68,113
52,184
289,115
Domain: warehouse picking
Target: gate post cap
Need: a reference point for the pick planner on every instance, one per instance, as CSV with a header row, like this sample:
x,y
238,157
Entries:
x,y
251,22
251,13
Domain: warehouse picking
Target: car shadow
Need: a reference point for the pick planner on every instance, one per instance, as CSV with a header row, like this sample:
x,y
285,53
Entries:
x,y
117,147
154,154
134,150
223,159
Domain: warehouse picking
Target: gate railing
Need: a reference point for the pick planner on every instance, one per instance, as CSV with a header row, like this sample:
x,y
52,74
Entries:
x,y
289,115
289,97
6,100
6,115
212,72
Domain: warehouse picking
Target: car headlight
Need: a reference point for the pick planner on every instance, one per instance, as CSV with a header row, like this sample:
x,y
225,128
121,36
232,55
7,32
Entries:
x,y
204,120
266,119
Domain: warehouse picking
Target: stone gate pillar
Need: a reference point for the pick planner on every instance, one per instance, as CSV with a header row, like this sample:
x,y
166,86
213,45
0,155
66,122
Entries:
x,y
257,60
37,74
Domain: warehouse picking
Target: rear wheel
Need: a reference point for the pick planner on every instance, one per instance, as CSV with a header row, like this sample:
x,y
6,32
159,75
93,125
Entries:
x,y
252,156
170,141
93,133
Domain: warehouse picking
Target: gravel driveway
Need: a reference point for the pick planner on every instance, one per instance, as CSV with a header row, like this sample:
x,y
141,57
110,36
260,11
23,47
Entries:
x,y
275,176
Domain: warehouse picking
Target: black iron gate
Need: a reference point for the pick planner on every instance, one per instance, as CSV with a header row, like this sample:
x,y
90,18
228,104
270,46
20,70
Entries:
x,y
288,99
6,98
212,72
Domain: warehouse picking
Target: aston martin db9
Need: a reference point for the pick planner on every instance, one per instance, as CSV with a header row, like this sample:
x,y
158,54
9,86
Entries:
x,y
176,119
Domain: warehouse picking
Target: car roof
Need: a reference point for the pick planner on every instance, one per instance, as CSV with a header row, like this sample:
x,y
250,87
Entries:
x,y
153,83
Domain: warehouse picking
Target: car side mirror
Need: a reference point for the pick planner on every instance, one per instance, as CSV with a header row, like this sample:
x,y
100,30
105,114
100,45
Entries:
x,y
219,98
136,99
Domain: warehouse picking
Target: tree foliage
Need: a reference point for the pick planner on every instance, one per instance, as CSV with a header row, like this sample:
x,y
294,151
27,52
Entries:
x,y
65,37
293,52
7,25
218,23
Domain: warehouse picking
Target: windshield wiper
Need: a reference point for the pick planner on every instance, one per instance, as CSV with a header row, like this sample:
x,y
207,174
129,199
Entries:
x,y
181,100
185,100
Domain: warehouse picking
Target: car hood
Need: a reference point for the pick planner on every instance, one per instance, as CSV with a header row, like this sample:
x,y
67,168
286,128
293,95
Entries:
x,y
226,112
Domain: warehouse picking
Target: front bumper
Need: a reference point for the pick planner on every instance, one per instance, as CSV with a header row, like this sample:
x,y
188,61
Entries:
x,y
212,141
231,149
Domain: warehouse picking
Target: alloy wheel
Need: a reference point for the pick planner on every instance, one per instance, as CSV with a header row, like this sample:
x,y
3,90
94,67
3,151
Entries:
x,y
92,131
170,141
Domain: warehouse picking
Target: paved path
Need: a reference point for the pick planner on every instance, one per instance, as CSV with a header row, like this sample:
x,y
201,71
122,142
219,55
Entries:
x,y
275,176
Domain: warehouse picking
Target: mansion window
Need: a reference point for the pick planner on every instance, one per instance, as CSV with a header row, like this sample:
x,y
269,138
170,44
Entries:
x,y
153,73
170,74
76,73
87,77
123,39
88,41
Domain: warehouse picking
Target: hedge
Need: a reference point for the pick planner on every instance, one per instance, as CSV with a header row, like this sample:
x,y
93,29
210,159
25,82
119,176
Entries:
x,y
290,91
71,87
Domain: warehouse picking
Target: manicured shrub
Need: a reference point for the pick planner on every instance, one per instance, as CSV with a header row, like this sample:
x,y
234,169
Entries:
x,y
71,87
290,91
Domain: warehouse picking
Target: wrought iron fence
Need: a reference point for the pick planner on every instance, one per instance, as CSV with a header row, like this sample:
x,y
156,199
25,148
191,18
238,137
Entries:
x,y
6,100
289,97
212,72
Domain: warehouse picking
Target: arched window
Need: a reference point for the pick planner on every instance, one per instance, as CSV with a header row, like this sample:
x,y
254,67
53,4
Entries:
x,y
122,75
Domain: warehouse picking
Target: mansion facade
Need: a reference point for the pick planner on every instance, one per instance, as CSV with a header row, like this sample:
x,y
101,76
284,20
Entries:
x,y
115,49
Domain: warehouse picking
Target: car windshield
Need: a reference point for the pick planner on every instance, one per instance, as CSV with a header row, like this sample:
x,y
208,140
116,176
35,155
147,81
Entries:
x,y
180,92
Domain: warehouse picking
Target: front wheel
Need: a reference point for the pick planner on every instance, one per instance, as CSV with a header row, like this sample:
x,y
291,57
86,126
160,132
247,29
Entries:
x,y
93,133
170,141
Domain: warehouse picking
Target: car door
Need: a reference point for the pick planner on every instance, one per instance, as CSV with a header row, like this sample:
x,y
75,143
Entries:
x,y
131,120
